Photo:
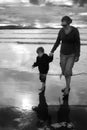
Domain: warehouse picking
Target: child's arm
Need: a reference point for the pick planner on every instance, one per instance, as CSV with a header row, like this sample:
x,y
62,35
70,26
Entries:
x,y
35,63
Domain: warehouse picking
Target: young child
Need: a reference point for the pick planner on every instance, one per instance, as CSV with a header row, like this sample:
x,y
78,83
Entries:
x,y
42,62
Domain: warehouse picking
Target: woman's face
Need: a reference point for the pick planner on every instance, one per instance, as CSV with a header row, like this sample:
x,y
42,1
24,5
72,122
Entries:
x,y
64,24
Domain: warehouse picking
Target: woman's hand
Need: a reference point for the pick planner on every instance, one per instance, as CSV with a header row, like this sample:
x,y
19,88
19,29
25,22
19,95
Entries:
x,y
76,59
50,54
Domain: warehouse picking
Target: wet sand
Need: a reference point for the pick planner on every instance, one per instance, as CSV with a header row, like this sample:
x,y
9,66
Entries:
x,y
14,119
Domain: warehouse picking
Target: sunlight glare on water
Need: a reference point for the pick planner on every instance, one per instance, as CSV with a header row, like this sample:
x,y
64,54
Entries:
x,y
26,102
13,56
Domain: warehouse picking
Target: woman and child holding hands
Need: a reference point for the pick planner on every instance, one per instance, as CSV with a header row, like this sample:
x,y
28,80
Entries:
x,y
69,39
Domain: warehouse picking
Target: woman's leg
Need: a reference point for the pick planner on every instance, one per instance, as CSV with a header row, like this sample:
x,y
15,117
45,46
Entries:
x,y
68,81
68,73
63,62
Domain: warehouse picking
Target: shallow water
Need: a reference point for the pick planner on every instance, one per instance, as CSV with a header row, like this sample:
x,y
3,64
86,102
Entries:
x,y
47,36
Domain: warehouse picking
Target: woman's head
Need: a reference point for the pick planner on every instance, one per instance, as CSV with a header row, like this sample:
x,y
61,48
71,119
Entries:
x,y
66,20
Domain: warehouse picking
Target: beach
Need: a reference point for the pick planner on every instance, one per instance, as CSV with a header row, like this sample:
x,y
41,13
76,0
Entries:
x,y
19,83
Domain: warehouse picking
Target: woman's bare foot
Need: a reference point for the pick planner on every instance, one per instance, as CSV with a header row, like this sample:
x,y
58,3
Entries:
x,y
66,90
61,75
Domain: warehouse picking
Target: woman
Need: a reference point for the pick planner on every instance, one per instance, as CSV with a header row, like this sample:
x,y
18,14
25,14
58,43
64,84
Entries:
x,y
70,49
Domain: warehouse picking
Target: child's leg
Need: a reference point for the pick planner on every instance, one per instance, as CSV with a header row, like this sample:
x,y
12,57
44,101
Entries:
x,y
43,80
43,86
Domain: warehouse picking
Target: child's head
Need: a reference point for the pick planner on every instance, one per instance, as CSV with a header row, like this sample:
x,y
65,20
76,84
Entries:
x,y
40,51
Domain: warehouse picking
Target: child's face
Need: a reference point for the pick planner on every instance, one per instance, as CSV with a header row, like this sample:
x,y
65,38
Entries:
x,y
40,54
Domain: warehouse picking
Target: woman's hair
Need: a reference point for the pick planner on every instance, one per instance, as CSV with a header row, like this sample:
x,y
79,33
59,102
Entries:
x,y
67,19
40,49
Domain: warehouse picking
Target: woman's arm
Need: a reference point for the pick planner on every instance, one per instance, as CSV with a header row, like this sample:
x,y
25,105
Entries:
x,y
77,43
50,58
57,42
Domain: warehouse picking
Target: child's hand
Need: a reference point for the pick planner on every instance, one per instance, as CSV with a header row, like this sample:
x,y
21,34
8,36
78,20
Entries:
x,y
32,66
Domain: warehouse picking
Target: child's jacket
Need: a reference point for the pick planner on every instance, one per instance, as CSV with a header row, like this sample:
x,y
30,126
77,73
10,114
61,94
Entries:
x,y
43,63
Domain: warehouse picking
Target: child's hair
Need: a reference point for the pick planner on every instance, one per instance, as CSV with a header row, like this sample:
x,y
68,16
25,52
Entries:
x,y
40,49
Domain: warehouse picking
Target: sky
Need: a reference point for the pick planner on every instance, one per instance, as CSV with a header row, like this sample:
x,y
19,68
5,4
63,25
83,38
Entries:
x,y
58,2
13,1
17,1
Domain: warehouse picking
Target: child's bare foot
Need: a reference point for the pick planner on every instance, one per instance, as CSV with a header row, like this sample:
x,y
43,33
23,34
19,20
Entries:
x,y
42,89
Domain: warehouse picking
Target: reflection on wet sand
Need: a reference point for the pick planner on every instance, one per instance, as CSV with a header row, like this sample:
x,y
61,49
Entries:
x,y
27,116
45,117
16,91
